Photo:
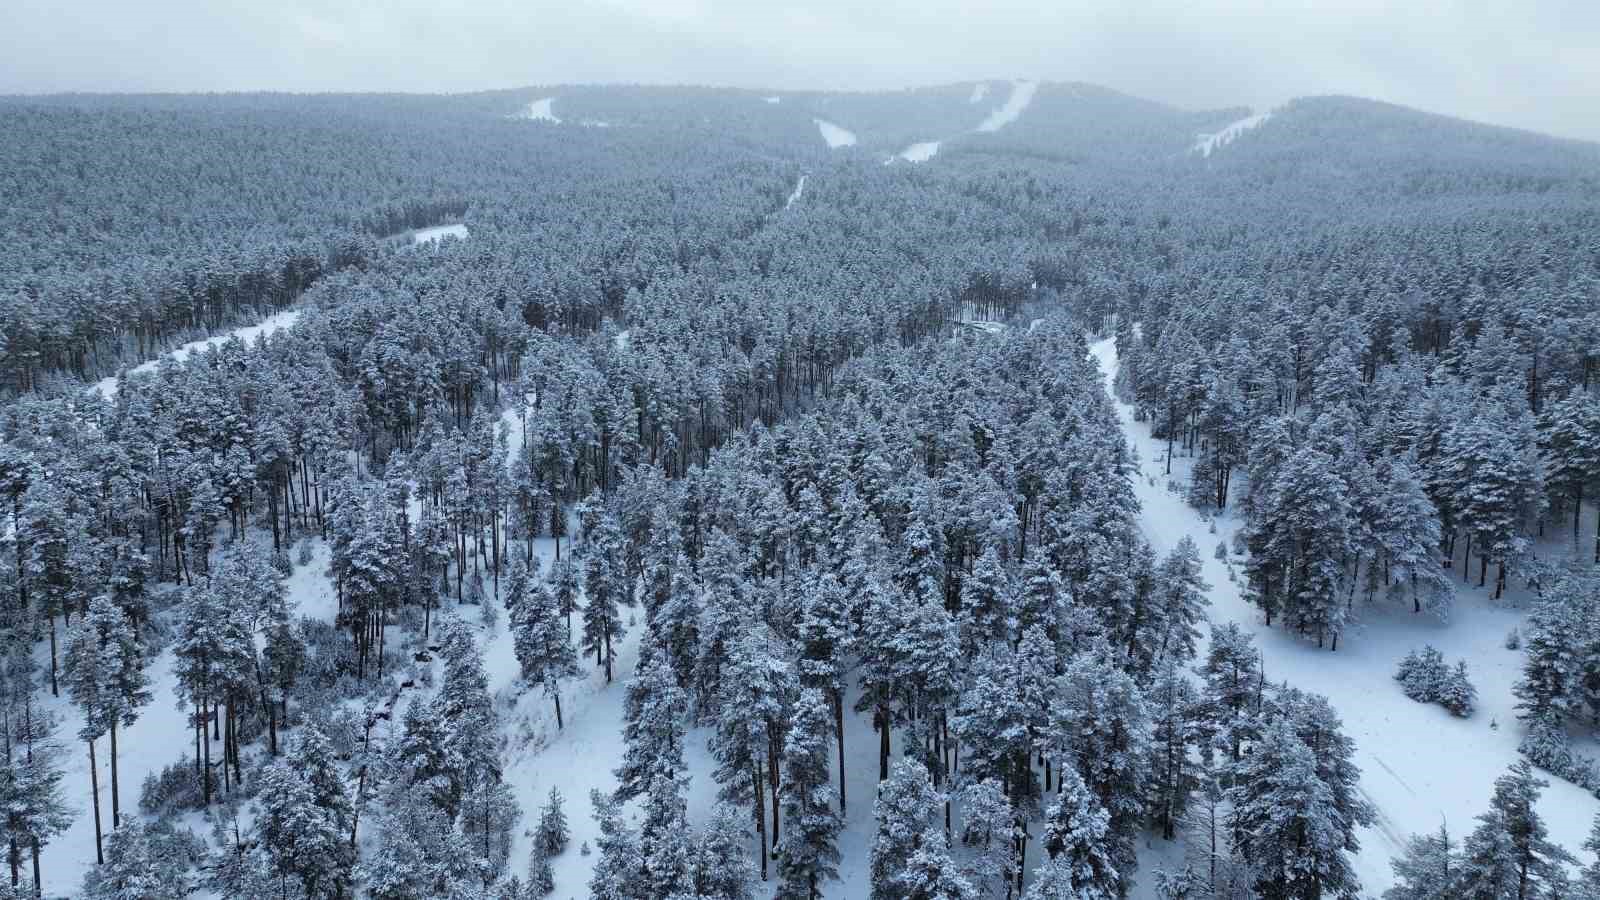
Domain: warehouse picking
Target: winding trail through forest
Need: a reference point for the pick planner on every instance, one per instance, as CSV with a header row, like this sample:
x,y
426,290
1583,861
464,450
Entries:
x,y
1420,765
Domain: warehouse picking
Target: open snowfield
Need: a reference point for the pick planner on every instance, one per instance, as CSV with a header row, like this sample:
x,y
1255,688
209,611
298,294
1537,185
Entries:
x,y
834,136
1209,143
285,319
1420,766
1021,95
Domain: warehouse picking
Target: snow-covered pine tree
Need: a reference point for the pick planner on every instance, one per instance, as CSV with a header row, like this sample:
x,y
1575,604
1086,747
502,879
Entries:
x,y
808,852
1180,602
1077,838
1284,820
655,711
304,817
722,864
541,643
905,806
1101,728
988,826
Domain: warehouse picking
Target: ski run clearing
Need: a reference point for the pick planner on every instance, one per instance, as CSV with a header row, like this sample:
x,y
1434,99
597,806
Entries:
x,y
979,91
1210,143
834,136
1021,96
285,319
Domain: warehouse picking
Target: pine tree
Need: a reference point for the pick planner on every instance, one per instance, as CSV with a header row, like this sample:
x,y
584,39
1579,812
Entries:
x,y
654,715
1285,821
988,825
906,805
607,587
130,872
541,643
808,852
825,643
1077,839
305,818
1101,728
620,870
931,874
31,802
488,814
1457,694
1174,730
1180,602
1509,854
722,865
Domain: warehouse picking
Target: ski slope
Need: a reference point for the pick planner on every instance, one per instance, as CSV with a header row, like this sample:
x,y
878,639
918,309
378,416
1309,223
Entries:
x,y
834,136
1420,766
1210,143
1022,92
979,91
285,319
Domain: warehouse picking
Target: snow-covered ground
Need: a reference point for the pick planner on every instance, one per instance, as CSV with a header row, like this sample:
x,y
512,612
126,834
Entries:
x,y
799,188
541,111
919,152
979,91
438,233
1209,143
285,319
1022,92
835,136
772,100
1419,765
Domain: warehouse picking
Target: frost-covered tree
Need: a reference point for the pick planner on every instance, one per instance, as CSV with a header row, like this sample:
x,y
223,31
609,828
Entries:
x,y
304,818
552,832
1078,841
1427,870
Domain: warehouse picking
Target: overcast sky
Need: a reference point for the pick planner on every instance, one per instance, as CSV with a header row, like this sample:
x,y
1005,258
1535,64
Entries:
x,y
1529,63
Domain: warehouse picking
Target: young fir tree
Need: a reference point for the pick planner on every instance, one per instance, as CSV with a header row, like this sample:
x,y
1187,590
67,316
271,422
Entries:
x,y
808,852
552,833
1427,869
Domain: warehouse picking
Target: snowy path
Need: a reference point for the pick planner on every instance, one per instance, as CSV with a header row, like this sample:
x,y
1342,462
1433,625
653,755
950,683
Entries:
x,y
1419,764
541,111
285,319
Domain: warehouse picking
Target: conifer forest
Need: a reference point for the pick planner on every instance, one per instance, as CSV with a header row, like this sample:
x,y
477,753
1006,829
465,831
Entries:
x,y
1009,489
